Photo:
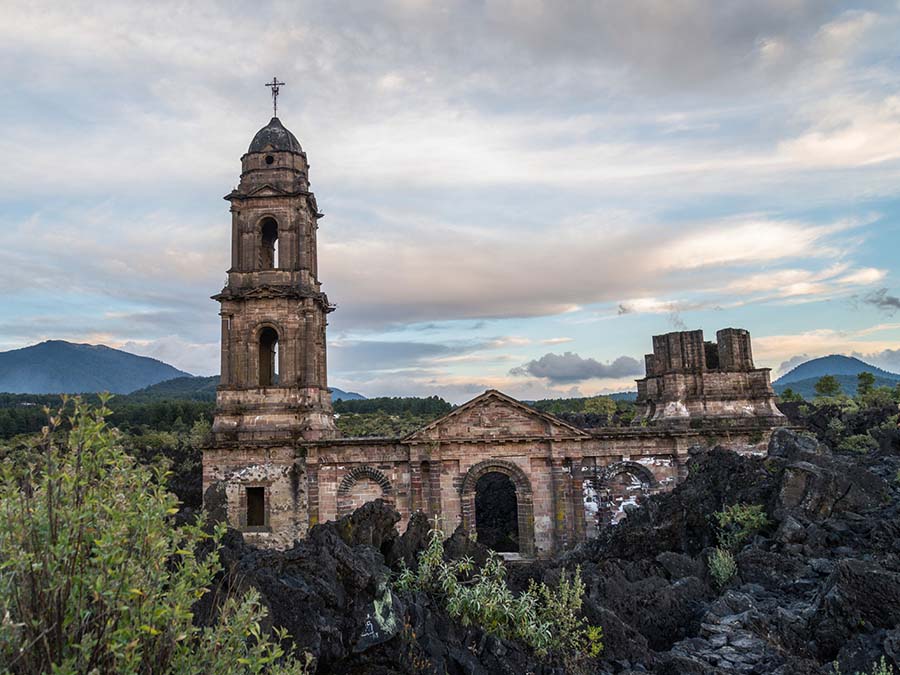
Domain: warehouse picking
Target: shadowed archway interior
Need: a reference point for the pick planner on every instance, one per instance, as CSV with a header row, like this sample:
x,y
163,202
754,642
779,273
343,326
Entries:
x,y
497,512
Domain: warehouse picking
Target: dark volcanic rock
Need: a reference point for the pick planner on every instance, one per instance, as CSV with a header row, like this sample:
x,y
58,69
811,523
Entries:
x,y
820,583
332,594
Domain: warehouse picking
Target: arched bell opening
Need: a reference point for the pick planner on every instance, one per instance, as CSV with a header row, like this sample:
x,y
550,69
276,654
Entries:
x,y
268,244
268,357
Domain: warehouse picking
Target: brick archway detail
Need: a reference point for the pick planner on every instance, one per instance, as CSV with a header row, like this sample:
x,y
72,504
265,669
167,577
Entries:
x,y
524,499
345,489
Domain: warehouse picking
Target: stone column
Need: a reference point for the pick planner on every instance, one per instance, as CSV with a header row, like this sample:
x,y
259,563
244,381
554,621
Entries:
x,y
418,470
561,486
235,240
225,366
312,487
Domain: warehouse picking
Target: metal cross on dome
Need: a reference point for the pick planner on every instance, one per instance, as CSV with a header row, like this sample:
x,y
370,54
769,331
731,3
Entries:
x,y
275,84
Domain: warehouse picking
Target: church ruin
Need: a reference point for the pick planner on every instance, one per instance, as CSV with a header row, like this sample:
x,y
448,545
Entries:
x,y
525,481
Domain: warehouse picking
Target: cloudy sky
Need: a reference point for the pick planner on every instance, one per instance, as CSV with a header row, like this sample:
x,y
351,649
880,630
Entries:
x,y
518,194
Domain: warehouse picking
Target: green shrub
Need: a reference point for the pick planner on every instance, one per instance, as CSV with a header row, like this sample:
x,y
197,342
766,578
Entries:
x,y
96,578
897,477
880,397
880,668
836,427
722,566
860,443
738,522
545,619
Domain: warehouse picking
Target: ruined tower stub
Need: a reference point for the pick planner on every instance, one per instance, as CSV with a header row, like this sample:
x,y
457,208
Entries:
x,y
273,388
690,381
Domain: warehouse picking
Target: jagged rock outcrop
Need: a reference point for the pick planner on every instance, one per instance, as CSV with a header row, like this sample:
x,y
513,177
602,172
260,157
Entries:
x,y
820,583
332,593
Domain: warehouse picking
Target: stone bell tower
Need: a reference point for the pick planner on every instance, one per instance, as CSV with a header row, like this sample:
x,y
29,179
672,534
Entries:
x,y
273,390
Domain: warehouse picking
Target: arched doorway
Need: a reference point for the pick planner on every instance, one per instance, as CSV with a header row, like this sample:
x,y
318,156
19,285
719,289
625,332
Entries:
x,y
524,500
497,512
268,357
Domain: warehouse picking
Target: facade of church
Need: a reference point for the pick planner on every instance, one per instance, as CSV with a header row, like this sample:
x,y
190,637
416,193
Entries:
x,y
282,466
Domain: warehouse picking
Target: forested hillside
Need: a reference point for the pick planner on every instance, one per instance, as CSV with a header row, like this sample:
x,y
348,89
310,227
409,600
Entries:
x,y
56,366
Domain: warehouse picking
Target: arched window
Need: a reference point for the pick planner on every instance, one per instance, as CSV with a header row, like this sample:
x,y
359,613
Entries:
x,y
268,357
268,244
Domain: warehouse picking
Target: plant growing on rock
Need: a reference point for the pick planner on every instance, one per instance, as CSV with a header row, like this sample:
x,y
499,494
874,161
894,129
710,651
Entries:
x,y
738,522
545,619
880,668
95,577
859,443
722,566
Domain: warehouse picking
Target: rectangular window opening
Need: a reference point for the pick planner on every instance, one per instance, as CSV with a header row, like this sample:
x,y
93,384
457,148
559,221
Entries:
x,y
256,507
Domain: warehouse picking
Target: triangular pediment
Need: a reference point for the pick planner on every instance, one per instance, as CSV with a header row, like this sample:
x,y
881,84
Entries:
x,y
494,415
267,191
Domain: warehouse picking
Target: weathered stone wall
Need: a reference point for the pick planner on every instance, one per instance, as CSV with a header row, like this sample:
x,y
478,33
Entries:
x,y
282,474
564,477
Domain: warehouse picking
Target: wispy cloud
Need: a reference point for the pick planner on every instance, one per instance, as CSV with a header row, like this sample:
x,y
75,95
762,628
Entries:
x,y
882,300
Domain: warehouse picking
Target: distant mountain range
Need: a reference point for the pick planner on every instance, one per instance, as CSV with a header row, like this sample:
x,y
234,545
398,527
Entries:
x,y
204,389
802,379
56,366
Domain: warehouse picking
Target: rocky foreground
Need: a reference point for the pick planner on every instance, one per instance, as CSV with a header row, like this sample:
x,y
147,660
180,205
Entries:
x,y
818,586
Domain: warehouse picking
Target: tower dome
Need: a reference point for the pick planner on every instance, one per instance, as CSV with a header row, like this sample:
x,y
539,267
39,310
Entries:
x,y
274,137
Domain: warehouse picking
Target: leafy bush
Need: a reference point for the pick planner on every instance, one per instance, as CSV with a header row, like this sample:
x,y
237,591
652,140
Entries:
x,y
722,566
861,443
95,577
545,619
738,522
880,668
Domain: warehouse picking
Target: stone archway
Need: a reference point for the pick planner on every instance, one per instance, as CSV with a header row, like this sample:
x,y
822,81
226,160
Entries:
x,y
523,494
362,484
497,512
